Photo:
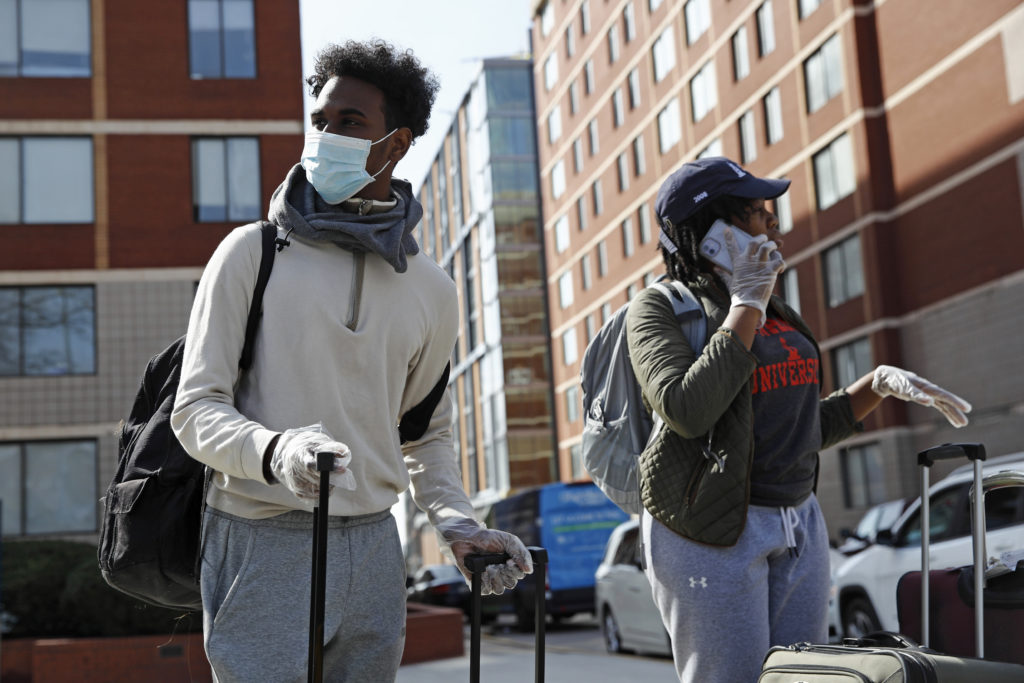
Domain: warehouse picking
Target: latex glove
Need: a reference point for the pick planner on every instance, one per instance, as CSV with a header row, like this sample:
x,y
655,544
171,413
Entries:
x,y
294,461
465,535
754,269
907,386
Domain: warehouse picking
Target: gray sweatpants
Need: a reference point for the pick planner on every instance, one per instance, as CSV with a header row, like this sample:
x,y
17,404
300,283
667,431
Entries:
x,y
256,596
724,607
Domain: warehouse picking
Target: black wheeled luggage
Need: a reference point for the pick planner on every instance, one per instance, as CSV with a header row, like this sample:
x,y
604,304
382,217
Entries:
x,y
478,564
891,657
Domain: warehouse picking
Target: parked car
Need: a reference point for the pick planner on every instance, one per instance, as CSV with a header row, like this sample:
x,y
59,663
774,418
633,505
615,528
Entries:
x,y
439,584
866,582
877,518
625,608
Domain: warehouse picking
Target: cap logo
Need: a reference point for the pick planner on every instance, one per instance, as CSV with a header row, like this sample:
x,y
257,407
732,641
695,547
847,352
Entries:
x,y
701,197
736,169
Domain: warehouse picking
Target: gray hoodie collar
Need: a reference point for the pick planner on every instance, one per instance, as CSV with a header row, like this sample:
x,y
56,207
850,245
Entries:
x,y
295,206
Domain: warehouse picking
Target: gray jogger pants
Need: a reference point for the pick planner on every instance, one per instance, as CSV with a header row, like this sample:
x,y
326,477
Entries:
x,y
256,596
725,606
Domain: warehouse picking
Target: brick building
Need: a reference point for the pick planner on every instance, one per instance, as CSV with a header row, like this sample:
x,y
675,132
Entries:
x,y
133,137
901,125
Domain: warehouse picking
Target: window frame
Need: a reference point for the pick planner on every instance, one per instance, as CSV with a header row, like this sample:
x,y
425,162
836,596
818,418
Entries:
x,y
23,345
194,74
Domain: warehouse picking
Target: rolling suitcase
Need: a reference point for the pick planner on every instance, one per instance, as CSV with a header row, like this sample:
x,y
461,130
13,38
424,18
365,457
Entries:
x,y
891,657
318,590
954,624
478,563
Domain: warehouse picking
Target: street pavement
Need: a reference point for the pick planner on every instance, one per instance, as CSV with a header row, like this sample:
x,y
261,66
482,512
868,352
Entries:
x,y
570,655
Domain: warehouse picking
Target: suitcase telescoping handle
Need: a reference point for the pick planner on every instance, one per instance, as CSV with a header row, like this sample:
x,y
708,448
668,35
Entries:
x,y
974,452
478,563
318,591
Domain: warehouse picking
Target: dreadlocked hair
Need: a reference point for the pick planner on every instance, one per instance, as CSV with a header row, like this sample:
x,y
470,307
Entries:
x,y
686,263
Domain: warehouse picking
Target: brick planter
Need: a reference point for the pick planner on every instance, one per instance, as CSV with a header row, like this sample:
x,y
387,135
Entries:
x,y
431,633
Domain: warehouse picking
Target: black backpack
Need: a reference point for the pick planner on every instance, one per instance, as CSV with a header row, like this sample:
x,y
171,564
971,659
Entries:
x,y
153,508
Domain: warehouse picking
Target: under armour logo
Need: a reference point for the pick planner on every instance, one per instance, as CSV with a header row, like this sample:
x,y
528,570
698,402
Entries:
x,y
703,583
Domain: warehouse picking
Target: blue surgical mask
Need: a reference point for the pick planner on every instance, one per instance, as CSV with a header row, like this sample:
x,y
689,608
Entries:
x,y
336,164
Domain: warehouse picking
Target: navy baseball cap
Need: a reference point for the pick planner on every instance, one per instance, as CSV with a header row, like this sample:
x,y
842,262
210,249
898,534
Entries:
x,y
698,182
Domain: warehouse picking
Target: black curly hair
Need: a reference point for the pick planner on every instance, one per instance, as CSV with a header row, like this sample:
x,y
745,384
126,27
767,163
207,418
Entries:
x,y
686,263
409,88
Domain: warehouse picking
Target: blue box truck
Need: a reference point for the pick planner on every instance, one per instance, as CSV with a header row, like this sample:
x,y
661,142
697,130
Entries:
x,y
573,522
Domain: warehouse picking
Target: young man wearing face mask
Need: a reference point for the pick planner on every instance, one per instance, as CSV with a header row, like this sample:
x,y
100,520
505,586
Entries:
x,y
351,357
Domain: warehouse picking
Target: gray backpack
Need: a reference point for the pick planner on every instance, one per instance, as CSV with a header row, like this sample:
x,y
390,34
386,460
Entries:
x,y
616,427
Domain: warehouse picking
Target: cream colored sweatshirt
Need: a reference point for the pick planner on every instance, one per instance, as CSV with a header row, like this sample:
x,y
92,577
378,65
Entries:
x,y
309,367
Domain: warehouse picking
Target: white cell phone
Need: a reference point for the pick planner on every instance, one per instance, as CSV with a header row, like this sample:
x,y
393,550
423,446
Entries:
x,y
713,248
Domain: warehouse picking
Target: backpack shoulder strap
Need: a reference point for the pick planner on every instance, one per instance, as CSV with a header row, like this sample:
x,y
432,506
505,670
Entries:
x,y
269,234
688,310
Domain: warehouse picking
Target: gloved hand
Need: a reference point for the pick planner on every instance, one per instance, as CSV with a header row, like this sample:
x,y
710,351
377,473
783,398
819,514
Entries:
x,y
754,269
907,386
294,461
465,535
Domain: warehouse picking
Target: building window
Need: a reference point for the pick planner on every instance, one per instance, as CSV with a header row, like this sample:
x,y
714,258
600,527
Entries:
x,y
613,43
714,149
823,74
807,7
550,71
222,42
643,217
572,403
765,29
698,19
852,361
618,108
622,165
555,124
653,5
634,88
703,92
602,259
225,179
595,192
773,116
570,41
663,54
562,233
565,289
469,296
585,272
558,179
574,97
629,21
585,17
569,351
581,213
606,312
650,278
547,19
748,137
669,126
740,54
47,331
863,476
29,185
833,172
784,212
577,154
591,327
48,487
844,273
790,289
588,76
592,137
639,165
627,237
45,38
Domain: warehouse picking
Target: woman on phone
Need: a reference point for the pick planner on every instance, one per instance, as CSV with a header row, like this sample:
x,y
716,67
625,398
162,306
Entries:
x,y
735,544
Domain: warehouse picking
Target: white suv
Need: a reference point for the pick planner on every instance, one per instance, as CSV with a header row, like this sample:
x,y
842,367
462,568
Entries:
x,y
865,584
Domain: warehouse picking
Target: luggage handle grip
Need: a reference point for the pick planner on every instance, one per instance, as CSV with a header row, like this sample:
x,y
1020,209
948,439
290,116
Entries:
x,y
478,562
951,451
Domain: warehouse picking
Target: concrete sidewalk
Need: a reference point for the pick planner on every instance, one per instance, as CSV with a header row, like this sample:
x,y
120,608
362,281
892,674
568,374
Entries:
x,y
505,662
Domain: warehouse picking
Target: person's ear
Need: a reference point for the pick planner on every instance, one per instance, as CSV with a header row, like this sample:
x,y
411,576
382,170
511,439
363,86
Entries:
x,y
401,140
